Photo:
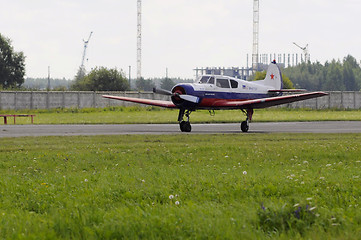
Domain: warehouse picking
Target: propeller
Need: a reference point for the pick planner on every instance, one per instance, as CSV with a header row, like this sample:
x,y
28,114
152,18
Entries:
x,y
189,98
162,91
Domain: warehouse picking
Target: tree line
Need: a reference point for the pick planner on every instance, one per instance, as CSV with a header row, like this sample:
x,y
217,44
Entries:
x,y
336,75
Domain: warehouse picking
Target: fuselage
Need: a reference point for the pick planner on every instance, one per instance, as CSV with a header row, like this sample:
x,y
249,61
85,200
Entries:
x,y
212,89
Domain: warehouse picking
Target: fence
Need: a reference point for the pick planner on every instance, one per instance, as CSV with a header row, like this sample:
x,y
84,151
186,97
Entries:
x,y
49,100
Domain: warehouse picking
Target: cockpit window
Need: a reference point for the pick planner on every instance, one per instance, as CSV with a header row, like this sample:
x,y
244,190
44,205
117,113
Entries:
x,y
222,83
234,84
211,80
204,79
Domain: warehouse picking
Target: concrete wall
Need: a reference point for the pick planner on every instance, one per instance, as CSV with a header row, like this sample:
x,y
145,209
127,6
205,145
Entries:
x,y
48,100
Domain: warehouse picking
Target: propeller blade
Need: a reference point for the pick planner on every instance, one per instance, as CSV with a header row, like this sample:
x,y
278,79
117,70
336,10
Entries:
x,y
162,91
189,98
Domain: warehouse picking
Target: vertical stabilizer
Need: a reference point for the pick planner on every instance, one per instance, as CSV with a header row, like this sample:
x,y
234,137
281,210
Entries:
x,y
273,77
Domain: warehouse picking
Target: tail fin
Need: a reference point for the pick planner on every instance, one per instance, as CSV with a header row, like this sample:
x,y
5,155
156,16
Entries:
x,y
273,77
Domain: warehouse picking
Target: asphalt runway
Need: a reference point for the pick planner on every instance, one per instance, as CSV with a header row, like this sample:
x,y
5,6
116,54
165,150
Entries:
x,y
120,129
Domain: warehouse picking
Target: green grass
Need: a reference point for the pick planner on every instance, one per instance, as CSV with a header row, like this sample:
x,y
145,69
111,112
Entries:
x,y
254,186
129,115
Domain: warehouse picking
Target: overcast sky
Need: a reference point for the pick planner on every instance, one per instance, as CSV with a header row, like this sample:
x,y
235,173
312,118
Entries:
x,y
179,35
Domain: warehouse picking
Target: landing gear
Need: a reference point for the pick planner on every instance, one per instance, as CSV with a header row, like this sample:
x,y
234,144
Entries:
x,y
185,126
245,124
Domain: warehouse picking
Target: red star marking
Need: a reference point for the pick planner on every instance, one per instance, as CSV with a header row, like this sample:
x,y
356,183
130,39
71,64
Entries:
x,y
272,76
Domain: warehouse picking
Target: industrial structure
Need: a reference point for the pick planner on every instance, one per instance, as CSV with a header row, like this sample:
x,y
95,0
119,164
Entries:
x,y
255,35
283,60
139,39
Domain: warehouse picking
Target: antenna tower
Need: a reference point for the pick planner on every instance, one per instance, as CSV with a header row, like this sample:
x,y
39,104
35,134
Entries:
x,y
139,39
255,35
82,68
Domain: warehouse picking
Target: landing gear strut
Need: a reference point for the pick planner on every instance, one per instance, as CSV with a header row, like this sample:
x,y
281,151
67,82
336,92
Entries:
x,y
185,126
245,124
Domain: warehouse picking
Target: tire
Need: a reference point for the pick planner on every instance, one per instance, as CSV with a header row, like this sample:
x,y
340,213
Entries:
x,y
185,126
244,126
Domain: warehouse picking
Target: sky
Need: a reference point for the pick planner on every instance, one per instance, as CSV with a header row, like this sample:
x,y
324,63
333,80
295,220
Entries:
x,y
176,35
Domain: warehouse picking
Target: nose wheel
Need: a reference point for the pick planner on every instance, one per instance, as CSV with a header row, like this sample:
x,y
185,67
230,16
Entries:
x,y
185,126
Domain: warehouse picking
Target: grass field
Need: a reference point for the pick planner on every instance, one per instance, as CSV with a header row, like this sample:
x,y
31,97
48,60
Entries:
x,y
254,186
129,115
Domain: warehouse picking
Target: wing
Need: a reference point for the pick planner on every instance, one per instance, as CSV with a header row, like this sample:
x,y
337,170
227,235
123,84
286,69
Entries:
x,y
159,103
267,102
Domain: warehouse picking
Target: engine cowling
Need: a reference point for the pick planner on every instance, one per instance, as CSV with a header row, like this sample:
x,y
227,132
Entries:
x,y
178,90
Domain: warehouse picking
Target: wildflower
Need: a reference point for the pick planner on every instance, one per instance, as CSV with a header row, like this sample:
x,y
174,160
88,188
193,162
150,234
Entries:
x,y
296,205
85,180
312,208
309,199
176,203
143,181
322,178
328,165
171,196
244,173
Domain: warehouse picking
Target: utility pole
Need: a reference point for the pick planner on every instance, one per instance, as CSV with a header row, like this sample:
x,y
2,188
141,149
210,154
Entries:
x,y
130,69
48,78
139,39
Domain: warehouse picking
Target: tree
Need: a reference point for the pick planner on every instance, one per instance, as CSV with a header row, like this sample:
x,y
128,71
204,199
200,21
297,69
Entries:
x,y
334,81
101,79
167,84
349,68
144,85
12,65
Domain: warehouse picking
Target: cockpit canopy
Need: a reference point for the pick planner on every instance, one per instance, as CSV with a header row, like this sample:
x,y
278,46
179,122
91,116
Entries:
x,y
220,81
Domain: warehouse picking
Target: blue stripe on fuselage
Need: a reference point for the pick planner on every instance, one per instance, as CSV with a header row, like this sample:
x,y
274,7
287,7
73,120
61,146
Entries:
x,y
223,95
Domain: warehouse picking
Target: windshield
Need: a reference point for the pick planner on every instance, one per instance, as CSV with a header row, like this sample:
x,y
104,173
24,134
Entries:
x,y
204,79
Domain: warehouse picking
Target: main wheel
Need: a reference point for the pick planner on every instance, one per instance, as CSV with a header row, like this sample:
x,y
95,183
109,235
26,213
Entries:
x,y
244,126
185,126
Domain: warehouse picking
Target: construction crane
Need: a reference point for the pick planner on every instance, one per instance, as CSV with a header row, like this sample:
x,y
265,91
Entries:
x,y
82,67
305,51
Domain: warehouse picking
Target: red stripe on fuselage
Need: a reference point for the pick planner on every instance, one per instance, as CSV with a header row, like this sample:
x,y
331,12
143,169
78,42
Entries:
x,y
216,102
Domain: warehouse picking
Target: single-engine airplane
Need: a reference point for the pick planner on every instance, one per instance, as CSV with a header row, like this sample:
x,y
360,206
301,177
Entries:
x,y
216,92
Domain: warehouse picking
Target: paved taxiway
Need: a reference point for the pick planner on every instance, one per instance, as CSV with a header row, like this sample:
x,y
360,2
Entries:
x,y
119,129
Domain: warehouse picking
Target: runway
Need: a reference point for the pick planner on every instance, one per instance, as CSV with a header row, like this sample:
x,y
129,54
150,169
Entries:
x,y
122,129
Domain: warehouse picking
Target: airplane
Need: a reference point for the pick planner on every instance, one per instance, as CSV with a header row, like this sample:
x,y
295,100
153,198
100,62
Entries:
x,y
217,92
